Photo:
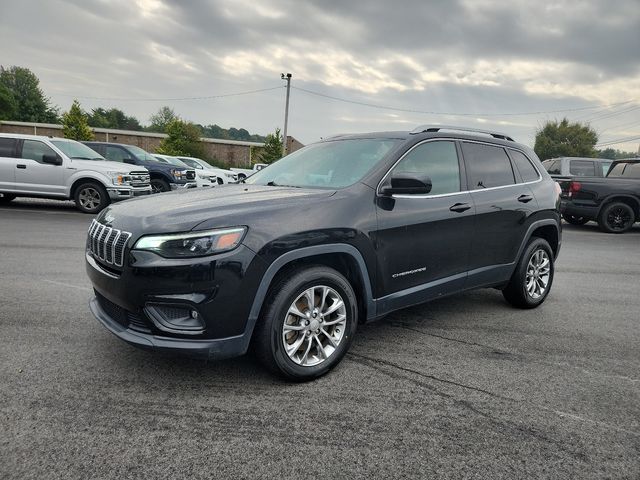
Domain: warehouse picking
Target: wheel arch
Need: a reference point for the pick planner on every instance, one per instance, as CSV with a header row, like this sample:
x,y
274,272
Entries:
x,y
84,179
627,199
344,258
547,229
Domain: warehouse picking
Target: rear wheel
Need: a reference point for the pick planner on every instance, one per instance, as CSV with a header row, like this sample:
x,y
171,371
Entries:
x,y
533,276
616,217
308,323
158,185
575,220
6,197
91,197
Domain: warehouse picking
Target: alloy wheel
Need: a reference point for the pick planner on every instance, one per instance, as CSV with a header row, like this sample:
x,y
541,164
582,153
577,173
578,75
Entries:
x,y
314,326
89,198
538,274
619,218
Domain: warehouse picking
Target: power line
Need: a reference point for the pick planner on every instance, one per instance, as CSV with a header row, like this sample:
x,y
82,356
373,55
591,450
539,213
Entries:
x,y
630,124
604,116
176,99
618,141
461,114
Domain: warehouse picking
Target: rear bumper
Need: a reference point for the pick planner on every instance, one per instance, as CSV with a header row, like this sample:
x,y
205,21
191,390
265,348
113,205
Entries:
x,y
219,348
570,208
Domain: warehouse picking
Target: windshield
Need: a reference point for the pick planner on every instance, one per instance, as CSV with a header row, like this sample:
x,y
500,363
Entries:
x,y
141,154
331,164
77,150
176,161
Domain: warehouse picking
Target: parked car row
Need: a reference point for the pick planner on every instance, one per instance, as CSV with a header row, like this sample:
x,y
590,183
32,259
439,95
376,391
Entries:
x,y
94,174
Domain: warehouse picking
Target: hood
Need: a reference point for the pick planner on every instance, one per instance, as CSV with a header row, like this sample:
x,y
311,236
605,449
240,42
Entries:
x,y
225,206
104,166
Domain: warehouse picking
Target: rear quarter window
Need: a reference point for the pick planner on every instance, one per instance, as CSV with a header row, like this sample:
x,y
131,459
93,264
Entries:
x,y
8,147
553,167
527,171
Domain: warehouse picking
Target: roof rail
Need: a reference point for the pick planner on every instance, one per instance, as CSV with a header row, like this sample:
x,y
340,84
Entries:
x,y
437,128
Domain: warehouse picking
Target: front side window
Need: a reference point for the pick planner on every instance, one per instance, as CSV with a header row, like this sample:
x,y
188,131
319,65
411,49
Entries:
x,y
487,166
438,161
115,154
329,164
8,147
36,150
582,168
605,168
527,171
73,149
141,154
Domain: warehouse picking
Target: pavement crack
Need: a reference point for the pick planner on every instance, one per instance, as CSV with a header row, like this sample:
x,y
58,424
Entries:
x,y
464,342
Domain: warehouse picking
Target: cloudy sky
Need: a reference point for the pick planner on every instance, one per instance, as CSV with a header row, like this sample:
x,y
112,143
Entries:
x,y
357,65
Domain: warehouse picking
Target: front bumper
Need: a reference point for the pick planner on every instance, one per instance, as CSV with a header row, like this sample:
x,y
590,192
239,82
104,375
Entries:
x,y
181,186
219,348
124,193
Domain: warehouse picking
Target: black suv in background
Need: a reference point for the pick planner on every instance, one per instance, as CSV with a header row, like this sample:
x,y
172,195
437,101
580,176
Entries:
x,y
338,233
164,177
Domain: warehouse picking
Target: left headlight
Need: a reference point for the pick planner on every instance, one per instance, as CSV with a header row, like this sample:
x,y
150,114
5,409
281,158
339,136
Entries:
x,y
192,244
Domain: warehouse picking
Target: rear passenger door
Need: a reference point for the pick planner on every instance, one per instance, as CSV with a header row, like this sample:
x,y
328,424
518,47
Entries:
x,y
503,202
35,176
8,163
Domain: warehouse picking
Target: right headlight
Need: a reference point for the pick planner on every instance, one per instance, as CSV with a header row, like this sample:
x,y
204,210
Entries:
x,y
192,244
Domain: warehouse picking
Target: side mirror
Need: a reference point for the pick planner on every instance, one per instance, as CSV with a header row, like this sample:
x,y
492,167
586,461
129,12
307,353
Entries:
x,y
409,183
51,159
129,160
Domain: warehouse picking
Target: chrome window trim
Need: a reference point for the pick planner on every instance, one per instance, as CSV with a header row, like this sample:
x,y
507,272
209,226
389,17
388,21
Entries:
x,y
462,192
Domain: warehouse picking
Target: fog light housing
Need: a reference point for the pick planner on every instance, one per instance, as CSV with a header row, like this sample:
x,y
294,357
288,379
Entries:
x,y
181,319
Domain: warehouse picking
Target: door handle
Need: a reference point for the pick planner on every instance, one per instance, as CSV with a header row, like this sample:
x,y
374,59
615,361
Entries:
x,y
460,207
525,198
22,166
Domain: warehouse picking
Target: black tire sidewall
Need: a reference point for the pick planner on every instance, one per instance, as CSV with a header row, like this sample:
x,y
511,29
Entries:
x,y
104,197
604,224
575,220
518,282
277,311
160,181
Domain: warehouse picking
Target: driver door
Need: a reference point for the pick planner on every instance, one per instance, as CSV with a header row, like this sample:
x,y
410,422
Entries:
x,y
33,175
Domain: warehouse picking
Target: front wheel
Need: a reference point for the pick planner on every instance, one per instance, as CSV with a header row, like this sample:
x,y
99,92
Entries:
x,y
158,186
574,219
616,217
533,276
91,197
308,323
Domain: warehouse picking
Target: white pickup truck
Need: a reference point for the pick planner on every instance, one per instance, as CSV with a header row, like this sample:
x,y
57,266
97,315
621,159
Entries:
x,y
246,172
63,169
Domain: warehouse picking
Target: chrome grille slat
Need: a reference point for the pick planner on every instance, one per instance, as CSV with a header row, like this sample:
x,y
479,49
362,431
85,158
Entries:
x,y
107,243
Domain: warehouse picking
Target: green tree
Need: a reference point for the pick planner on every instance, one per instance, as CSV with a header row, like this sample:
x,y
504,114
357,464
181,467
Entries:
x,y
183,139
30,103
113,118
272,149
75,125
7,104
564,139
614,154
162,119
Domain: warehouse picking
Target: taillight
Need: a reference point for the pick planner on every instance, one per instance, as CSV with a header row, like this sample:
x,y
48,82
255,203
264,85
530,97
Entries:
x,y
574,187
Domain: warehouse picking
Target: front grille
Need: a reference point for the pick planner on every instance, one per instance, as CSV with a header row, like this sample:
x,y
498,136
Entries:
x,y
139,179
124,317
191,174
107,243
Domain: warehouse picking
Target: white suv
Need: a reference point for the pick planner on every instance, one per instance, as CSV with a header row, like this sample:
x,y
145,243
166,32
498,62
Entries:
x,y
62,169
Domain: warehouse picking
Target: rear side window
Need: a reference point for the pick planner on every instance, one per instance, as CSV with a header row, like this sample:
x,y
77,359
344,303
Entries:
x,y
553,167
582,168
115,154
627,170
527,171
437,160
35,150
487,166
8,147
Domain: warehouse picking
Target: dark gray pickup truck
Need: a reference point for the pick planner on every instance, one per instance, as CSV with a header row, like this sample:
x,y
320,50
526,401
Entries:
x,y
612,201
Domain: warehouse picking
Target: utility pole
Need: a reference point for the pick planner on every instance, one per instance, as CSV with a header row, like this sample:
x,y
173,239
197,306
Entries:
x,y
286,77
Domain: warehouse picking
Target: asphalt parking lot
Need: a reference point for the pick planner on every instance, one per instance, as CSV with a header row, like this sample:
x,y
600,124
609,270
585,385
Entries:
x,y
465,387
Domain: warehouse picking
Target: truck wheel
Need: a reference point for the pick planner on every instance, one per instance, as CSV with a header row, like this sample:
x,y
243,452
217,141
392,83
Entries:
x,y
6,197
241,177
533,276
575,220
159,185
617,217
308,323
91,197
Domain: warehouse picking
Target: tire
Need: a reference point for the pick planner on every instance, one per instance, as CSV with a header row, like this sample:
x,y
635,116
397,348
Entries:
x,y
6,197
308,332
575,220
159,185
535,267
616,217
241,177
91,197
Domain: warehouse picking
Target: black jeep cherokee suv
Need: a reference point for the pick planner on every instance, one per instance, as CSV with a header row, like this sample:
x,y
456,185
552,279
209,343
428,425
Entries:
x,y
341,232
